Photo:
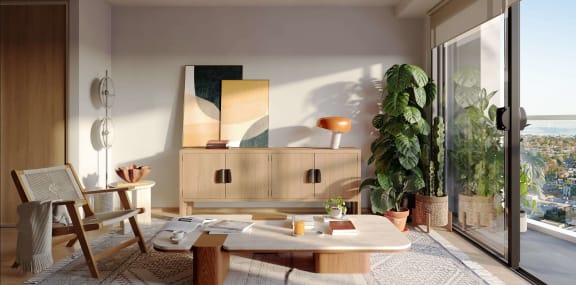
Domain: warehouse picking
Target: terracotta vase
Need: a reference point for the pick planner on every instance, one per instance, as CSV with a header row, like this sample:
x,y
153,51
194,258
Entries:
x,y
133,173
398,218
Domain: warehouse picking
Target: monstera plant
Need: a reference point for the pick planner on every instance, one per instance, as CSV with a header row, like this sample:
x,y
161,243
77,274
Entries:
x,y
403,132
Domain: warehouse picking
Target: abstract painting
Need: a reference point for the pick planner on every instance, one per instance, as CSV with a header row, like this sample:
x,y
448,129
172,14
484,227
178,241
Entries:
x,y
244,115
202,101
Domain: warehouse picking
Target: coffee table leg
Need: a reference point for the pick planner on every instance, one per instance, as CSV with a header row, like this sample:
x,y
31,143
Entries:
x,y
210,263
349,262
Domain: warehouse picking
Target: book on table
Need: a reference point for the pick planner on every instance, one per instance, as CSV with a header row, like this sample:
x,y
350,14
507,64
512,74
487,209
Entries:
x,y
344,227
186,224
229,227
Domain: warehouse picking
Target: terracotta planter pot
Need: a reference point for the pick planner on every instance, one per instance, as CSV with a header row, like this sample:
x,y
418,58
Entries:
x,y
398,218
436,206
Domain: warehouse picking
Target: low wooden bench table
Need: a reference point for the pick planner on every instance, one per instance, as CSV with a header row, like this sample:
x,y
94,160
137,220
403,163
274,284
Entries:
x,y
332,254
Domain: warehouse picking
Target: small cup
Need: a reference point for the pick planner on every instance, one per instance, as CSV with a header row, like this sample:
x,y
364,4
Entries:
x,y
298,228
335,212
177,235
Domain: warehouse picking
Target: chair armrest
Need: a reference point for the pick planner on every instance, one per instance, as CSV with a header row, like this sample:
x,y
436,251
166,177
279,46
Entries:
x,y
77,203
109,190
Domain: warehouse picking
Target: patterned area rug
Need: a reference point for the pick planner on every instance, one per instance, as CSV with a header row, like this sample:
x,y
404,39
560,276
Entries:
x,y
432,260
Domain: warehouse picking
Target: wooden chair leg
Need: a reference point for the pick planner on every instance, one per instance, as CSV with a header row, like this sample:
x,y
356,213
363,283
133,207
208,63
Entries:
x,y
135,229
90,261
138,234
72,242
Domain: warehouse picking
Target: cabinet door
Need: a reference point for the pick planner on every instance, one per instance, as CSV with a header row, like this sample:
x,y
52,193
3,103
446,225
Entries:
x,y
249,175
290,176
198,176
340,175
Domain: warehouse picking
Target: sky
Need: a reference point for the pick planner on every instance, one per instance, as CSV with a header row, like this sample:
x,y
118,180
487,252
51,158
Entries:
x,y
548,57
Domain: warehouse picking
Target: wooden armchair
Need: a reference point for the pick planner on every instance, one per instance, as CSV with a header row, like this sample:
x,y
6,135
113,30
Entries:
x,y
61,185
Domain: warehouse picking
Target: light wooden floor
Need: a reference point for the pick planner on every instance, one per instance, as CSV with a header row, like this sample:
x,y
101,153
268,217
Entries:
x,y
10,275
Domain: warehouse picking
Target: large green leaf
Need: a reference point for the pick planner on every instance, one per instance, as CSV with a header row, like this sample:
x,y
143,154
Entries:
x,y
415,183
395,103
406,144
419,96
396,80
384,181
378,200
419,76
395,128
408,151
409,160
401,77
412,115
431,91
423,127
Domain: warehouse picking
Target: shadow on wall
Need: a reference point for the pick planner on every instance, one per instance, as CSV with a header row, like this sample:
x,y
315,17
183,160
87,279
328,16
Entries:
x,y
292,134
355,100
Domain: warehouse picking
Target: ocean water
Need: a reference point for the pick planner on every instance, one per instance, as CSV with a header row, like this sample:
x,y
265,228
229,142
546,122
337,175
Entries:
x,y
550,128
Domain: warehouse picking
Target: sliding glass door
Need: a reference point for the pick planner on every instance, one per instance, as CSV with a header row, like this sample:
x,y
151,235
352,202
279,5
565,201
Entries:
x,y
510,173
474,92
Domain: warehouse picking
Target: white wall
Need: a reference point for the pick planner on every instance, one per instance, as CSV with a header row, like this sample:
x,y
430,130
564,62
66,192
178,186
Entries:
x,y
320,61
90,57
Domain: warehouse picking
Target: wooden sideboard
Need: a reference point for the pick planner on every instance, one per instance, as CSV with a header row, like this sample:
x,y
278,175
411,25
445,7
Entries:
x,y
268,174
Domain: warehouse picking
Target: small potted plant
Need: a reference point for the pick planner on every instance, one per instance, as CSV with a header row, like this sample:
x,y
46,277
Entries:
x,y
335,207
396,152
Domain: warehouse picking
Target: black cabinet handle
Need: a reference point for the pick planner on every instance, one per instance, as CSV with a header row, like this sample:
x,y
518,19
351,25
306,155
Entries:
x,y
219,176
310,176
317,176
227,176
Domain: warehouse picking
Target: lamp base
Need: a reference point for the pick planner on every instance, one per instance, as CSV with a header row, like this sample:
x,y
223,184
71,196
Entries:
x,y
335,143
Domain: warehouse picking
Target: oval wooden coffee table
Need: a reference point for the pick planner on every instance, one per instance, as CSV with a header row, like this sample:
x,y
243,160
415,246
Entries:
x,y
332,254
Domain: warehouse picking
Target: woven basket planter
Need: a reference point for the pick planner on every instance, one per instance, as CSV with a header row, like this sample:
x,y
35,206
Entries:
x,y
436,206
398,218
476,210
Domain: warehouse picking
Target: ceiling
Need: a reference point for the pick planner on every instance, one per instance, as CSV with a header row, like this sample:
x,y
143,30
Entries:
x,y
403,8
